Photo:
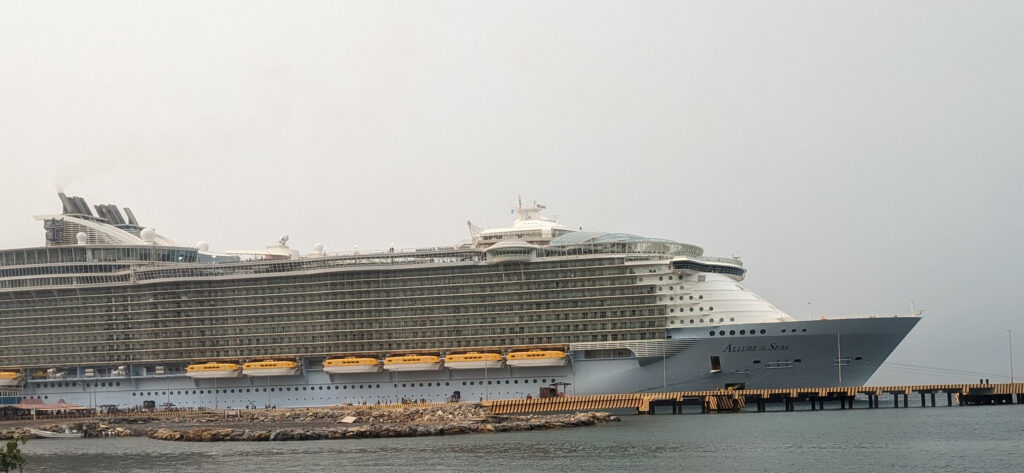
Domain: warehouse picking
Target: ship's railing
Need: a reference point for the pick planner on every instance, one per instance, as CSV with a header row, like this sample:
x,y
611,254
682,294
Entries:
x,y
718,259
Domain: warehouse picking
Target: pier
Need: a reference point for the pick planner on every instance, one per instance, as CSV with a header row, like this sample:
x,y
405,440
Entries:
x,y
792,399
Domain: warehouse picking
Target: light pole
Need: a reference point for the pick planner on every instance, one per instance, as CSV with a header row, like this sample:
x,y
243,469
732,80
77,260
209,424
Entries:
x,y
1009,335
808,311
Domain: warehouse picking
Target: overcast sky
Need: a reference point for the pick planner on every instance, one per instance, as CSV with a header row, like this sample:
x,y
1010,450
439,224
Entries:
x,y
858,155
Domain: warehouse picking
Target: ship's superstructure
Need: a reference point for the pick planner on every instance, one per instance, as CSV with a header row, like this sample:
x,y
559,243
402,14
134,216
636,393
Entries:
x,y
110,312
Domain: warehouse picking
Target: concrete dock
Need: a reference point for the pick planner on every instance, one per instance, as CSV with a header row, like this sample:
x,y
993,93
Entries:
x,y
791,398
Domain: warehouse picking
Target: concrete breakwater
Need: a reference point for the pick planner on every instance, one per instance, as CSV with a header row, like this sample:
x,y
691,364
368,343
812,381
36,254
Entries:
x,y
336,423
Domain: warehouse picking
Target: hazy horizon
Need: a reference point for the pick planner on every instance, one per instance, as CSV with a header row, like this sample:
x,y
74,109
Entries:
x,y
860,157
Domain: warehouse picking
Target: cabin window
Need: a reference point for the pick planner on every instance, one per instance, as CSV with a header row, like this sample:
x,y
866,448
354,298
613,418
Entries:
x,y
716,364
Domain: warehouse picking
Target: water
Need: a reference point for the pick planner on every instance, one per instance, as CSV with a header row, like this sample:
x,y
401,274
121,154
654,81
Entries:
x,y
915,439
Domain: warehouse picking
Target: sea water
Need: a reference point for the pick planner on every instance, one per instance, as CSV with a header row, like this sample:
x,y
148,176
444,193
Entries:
x,y
986,438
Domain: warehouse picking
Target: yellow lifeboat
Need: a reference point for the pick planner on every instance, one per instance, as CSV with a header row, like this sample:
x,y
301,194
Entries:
x,y
213,370
537,358
270,368
10,379
351,364
473,361
412,363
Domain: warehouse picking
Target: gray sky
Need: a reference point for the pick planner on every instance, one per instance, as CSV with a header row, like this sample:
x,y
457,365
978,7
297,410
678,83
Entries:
x,y
859,155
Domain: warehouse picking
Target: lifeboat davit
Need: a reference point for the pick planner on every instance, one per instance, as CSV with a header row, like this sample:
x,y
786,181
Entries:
x,y
351,364
533,358
213,370
270,368
412,363
10,379
473,361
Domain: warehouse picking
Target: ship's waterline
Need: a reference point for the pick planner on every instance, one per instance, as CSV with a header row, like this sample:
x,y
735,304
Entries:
x,y
112,313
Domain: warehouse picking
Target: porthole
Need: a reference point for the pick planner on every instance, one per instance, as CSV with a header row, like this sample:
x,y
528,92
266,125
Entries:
x,y
506,381
712,333
671,311
732,319
743,332
672,322
535,381
118,383
378,386
360,386
700,297
732,332
346,387
671,288
463,383
421,385
691,298
804,330
722,319
661,278
691,309
516,382
471,383
691,321
783,330
701,320
702,309
711,308
403,385
721,332
488,382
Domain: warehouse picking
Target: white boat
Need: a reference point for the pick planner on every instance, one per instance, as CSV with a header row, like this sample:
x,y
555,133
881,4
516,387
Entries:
x,y
271,368
412,363
67,434
213,370
473,361
10,379
351,364
537,358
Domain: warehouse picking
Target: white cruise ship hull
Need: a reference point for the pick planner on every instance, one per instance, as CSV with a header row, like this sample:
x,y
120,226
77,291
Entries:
x,y
754,361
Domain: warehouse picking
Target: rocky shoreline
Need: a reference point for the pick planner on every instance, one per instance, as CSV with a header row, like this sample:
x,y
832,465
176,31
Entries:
x,y
323,424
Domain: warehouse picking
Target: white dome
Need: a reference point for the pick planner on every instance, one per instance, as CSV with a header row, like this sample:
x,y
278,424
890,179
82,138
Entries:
x,y
319,248
148,235
203,246
81,237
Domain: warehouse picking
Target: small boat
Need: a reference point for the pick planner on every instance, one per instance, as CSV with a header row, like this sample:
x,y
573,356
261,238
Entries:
x,y
67,434
473,361
270,368
351,364
11,379
533,358
412,363
213,370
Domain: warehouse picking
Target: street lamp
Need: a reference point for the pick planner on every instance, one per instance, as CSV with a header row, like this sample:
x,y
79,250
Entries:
x,y
1009,335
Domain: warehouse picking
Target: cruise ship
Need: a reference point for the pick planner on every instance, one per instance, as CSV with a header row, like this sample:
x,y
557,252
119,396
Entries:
x,y
111,313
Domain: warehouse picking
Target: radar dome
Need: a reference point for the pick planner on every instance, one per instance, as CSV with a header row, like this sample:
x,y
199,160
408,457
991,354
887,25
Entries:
x,y
203,246
319,248
148,235
81,237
